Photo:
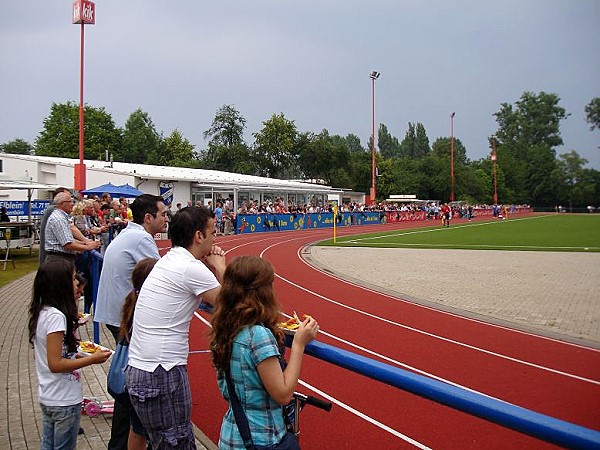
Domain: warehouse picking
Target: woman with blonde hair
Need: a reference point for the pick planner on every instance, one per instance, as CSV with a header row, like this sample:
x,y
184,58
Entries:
x,y
245,344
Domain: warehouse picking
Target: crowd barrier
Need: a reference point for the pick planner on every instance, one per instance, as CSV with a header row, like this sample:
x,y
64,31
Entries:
x,y
263,223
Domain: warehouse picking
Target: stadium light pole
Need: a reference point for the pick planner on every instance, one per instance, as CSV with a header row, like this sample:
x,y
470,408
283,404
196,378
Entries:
x,y
452,156
495,176
374,75
84,13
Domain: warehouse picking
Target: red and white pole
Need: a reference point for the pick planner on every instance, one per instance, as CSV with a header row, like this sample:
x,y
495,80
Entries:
x,y
84,12
495,177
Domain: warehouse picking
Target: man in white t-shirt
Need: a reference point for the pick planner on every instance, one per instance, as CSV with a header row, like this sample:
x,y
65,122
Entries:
x,y
133,244
186,276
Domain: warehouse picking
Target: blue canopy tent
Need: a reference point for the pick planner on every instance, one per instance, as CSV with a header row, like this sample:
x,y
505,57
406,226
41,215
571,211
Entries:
x,y
129,191
124,190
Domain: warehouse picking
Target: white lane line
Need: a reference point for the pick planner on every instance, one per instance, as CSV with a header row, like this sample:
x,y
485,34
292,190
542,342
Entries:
x,y
347,407
470,319
452,341
406,366
432,230
364,416
467,246
425,333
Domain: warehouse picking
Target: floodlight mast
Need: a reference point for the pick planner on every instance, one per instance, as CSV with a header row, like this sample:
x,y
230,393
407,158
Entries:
x,y
373,195
452,156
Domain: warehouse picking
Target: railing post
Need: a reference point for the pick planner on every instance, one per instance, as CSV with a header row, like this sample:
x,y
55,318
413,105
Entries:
x,y
95,269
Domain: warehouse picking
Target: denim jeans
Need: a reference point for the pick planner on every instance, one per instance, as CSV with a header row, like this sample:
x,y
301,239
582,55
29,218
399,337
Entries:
x,y
60,427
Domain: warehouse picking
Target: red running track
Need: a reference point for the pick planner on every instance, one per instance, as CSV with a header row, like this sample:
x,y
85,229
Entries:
x,y
548,376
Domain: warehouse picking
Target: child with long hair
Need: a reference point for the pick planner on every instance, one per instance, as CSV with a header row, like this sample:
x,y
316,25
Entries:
x,y
245,341
137,433
53,320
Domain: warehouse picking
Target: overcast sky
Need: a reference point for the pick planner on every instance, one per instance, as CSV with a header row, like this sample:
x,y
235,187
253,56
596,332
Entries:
x,y
180,61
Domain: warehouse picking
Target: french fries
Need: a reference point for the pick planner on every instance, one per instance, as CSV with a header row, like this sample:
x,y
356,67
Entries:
x,y
88,347
293,322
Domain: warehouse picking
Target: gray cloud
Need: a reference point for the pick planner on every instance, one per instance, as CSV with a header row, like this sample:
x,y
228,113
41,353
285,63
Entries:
x,y
310,60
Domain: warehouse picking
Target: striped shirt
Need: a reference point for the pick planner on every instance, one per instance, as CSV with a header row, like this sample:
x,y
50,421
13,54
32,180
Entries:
x,y
58,232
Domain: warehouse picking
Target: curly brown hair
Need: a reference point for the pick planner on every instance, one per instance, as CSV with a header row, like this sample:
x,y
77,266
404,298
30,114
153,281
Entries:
x,y
246,298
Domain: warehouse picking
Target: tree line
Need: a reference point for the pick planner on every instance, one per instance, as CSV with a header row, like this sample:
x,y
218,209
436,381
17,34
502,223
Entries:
x,y
528,169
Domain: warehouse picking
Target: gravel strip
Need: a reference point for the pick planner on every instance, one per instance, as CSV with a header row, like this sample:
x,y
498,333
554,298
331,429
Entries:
x,y
556,294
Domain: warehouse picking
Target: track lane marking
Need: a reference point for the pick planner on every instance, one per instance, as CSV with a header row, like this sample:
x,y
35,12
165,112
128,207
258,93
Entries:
x,y
425,333
364,416
431,308
435,336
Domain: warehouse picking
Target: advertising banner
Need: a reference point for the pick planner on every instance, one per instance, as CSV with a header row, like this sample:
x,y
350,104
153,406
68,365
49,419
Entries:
x,y
19,208
261,223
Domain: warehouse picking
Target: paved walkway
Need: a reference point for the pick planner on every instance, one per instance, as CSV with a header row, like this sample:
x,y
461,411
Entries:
x,y
20,415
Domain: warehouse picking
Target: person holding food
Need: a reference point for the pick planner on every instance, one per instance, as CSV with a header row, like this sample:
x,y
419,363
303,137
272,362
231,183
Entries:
x,y
53,319
245,344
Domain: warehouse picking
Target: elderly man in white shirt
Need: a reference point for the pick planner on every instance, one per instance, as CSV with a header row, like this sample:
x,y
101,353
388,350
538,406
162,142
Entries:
x,y
157,379
59,241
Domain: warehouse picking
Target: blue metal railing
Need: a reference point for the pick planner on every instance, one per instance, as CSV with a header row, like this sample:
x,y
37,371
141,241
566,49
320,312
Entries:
x,y
529,422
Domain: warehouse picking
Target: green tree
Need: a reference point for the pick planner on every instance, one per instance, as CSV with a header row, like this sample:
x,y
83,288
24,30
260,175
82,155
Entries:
x,y
227,128
17,147
434,177
541,162
60,135
178,151
353,144
527,134
534,120
441,148
324,157
397,176
226,149
388,145
592,113
515,175
275,148
415,144
141,142
422,147
580,182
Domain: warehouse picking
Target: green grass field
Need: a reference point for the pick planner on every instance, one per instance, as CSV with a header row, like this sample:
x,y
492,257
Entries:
x,y
565,233
25,262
